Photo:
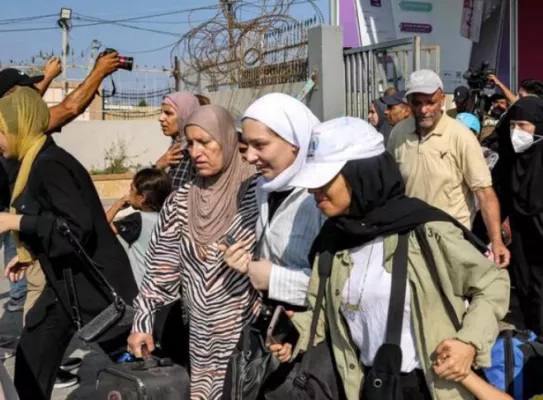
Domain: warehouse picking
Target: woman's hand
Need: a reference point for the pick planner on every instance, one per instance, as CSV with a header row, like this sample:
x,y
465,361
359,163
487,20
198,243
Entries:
x,y
9,222
260,274
454,360
172,157
283,352
141,345
15,271
237,256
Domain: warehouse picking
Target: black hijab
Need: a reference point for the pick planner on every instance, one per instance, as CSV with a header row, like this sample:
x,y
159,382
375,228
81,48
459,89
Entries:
x,y
379,207
527,167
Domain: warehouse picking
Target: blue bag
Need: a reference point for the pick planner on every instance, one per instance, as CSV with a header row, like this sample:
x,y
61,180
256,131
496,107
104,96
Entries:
x,y
517,364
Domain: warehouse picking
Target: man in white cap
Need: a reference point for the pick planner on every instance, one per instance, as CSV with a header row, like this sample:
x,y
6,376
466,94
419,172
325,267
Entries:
x,y
442,162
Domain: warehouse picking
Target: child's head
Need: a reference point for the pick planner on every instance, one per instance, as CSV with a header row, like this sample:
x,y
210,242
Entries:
x,y
242,144
149,189
470,121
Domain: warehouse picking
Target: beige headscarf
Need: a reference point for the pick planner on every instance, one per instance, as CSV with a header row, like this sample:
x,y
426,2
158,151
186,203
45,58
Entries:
x,y
214,201
24,117
184,103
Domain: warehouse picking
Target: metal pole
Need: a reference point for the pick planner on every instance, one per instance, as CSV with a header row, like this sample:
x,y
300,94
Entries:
x,y
513,45
333,12
64,56
177,74
416,53
228,7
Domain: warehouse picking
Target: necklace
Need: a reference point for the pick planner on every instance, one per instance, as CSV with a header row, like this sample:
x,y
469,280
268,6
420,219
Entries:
x,y
356,307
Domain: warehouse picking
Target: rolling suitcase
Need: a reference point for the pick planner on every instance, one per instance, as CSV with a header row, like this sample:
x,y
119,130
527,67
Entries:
x,y
152,379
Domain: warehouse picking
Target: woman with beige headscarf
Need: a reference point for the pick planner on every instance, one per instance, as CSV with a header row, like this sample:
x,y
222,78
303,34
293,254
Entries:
x,y
184,255
52,187
176,108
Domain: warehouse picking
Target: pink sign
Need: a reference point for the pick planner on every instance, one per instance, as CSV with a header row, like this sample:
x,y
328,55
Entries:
x,y
415,28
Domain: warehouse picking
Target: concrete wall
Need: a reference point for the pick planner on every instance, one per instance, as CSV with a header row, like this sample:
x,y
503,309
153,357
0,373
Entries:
x,y
88,141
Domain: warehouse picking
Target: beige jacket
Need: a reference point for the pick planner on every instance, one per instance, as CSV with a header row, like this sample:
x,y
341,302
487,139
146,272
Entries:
x,y
464,272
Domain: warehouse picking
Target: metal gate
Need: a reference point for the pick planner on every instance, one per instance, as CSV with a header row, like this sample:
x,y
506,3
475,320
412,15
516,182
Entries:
x,y
370,70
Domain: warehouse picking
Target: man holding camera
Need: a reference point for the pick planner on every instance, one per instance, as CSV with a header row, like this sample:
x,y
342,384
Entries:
x,y
76,102
61,114
442,162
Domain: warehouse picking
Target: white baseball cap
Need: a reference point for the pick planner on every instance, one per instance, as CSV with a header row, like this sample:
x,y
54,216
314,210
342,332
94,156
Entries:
x,y
332,144
423,81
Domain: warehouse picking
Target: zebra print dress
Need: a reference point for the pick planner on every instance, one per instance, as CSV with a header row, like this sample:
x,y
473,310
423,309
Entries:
x,y
219,301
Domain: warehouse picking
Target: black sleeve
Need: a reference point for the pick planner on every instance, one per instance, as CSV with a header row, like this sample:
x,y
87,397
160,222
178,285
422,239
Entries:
x,y
5,192
129,227
67,201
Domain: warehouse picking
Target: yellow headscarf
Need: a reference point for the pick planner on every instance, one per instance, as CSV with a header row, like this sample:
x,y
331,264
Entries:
x,y
24,117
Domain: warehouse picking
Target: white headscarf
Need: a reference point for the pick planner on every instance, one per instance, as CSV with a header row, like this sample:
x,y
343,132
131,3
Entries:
x,y
293,121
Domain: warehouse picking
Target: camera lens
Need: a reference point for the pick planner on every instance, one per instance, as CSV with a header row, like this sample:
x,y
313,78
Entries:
x,y
126,63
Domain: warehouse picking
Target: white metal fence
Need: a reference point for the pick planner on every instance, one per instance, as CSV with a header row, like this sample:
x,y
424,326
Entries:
x,y
370,70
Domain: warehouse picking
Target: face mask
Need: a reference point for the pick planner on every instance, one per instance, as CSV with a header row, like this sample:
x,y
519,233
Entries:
x,y
522,140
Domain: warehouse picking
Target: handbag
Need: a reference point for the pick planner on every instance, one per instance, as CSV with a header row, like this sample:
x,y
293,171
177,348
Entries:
x,y
314,375
251,362
382,381
250,365
117,314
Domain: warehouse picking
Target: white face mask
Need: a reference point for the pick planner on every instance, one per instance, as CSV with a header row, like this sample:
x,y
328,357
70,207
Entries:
x,y
522,140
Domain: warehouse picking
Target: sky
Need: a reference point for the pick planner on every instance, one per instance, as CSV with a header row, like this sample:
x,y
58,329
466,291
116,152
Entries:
x,y
22,46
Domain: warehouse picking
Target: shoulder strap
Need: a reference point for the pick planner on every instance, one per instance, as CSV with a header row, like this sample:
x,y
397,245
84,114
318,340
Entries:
x,y
397,292
65,230
257,253
426,251
325,269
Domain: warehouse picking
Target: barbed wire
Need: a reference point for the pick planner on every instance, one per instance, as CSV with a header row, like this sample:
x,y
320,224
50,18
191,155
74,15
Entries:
x,y
221,48
238,40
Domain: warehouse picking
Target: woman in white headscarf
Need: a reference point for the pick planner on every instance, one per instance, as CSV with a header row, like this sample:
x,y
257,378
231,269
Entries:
x,y
277,129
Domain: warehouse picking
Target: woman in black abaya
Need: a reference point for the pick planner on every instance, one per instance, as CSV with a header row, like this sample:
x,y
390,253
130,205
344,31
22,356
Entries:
x,y
525,189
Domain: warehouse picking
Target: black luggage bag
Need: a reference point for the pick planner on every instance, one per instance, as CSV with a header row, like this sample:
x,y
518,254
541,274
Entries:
x,y
152,379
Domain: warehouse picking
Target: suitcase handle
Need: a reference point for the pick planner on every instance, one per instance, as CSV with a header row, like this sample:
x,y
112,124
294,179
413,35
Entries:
x,y
152,363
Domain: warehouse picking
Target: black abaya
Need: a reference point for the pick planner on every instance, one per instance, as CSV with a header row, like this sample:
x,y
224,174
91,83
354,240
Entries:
x,y
525,198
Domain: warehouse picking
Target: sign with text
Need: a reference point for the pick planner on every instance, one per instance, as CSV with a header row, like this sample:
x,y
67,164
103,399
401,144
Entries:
x,y
472,19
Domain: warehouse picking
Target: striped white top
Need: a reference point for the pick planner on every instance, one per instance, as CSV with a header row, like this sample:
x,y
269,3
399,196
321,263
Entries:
x,y
287,242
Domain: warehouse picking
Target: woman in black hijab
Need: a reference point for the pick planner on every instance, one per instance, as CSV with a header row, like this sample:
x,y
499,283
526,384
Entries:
x,y
525,205
358,186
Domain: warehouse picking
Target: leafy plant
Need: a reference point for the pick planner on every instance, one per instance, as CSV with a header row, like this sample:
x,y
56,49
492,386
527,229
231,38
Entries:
x,y
142,103
116,160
